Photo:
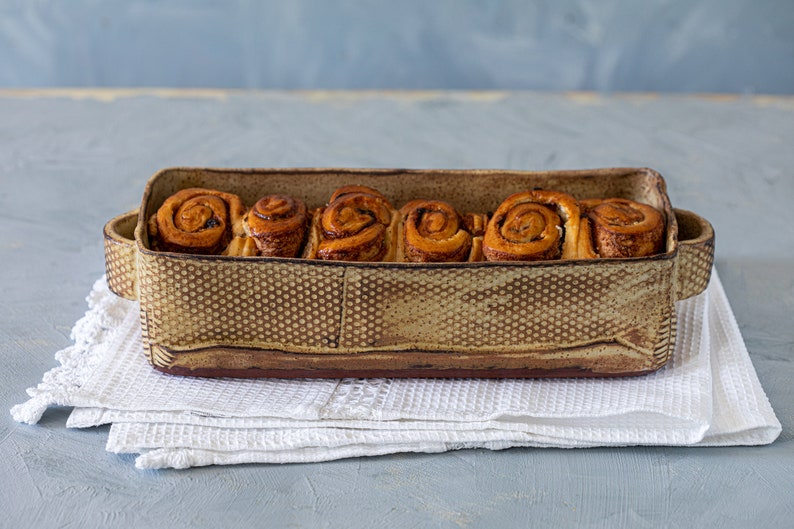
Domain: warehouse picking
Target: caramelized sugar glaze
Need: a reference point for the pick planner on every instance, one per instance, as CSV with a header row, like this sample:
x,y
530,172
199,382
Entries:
x,y
360,224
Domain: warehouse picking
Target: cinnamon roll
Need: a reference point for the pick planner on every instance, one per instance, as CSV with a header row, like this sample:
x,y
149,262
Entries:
x,y
197,221
277,224
358,224
619,227
533,226
433,232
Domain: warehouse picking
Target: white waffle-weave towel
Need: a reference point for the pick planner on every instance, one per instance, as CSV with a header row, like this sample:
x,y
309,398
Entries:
x,y
708,394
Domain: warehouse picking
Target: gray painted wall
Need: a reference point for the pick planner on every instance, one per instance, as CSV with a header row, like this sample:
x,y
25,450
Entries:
x,y
744,46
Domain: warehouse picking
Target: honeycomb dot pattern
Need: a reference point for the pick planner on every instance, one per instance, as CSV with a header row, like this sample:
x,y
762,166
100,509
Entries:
x,y
318,308
198,302
120,255
501,308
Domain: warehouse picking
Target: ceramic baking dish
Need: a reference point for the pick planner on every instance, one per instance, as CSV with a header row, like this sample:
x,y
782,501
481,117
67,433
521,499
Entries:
x,y
279,317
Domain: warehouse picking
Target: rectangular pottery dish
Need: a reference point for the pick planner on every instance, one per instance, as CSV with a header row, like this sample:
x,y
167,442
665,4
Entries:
x,y
278,317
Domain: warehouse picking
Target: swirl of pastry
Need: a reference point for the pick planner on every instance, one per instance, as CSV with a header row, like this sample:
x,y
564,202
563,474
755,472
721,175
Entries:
x,y
623,228
277,224
197,220
355,226
533,226
434,233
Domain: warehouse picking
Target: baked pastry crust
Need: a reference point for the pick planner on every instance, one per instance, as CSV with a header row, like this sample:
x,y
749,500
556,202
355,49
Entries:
x,y
241,246
533,226
433,232
197,221
619,227
475,224
359,224
277,224
585,248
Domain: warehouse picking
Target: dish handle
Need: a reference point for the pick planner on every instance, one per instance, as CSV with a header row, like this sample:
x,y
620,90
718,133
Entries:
x,y
120,255
695,254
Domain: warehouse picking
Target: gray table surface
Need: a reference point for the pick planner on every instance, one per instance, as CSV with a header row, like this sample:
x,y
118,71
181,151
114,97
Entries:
x,y
72,159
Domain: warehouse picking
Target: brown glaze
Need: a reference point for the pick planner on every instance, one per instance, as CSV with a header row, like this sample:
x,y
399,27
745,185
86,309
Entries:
x,y
433,232
196,221
619,227
534,225
277,224
355,226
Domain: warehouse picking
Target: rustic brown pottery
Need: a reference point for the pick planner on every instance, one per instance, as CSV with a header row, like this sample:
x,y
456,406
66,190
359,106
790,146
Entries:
x,y
279,317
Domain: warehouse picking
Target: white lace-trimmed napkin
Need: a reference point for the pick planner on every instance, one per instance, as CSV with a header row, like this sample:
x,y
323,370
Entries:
x,y
708,394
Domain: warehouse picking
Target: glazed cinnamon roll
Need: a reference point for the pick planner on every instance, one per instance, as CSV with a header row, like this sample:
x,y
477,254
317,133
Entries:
x,y
358,224
197,221
277,224
433,232
533,226
619,227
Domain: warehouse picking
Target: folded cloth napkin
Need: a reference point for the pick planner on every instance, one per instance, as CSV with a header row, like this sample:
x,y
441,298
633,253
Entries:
x,y
707,395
